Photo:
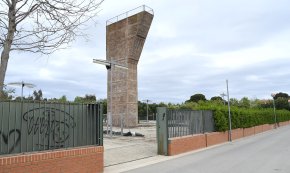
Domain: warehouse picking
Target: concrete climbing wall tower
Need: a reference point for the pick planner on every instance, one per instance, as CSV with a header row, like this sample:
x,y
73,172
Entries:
x,y
125,38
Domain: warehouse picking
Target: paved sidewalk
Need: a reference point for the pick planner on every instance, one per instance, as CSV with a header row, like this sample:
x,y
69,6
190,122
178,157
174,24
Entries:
x,y
267,152
149,161
124,149
158,158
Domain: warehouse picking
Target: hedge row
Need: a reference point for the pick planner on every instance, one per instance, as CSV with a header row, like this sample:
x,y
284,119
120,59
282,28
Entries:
x,y
244,118
241,117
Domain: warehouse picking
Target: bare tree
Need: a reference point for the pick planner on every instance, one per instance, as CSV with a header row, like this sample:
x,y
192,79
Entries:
x,y
41,26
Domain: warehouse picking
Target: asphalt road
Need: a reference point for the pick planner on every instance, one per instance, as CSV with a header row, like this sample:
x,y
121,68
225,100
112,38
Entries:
x,y
263,153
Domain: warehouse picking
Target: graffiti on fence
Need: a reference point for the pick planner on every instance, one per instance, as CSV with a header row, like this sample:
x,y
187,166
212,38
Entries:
x,y
48,127
49,123
15,141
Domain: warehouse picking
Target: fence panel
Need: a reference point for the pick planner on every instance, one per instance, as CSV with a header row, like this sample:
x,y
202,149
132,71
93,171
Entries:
x,y
208,121
188,122
36,126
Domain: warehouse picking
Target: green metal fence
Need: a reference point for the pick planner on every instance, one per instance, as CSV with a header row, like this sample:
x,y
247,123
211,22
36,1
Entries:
x,y
36,126
177,123
189,122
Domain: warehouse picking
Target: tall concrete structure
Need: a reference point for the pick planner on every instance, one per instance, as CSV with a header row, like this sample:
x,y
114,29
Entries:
x,y
125,38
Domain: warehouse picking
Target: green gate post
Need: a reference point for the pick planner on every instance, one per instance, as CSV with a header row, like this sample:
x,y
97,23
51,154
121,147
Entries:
x,y
162,131
101,116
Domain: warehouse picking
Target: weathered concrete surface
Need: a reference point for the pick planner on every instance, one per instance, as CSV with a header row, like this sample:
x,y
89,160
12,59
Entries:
x,y
124,43
124,149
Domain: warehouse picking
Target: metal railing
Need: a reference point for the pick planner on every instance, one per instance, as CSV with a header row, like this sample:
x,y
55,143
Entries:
x,y
144,117
188,122
130,13
37,126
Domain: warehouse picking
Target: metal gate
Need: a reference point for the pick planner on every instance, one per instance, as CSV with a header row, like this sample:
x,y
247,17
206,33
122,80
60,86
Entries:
x,y
177,123
188,122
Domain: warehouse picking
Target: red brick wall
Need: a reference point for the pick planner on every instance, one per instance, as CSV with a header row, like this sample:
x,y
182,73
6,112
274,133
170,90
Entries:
x,y
189,143
216,138
249,131
267,127
76,160
237,134
186,143
258,129
284,123
281,123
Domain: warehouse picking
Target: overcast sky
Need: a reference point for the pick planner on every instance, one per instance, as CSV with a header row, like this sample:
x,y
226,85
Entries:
x,y
193,46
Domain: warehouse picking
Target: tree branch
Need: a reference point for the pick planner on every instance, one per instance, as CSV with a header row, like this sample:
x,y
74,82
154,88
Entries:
x,y
43,26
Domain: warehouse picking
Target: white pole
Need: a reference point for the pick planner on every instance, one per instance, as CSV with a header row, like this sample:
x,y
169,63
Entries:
x,y
122,124
111,100
274,107
230,121
107,122
22,86
275,113
147,111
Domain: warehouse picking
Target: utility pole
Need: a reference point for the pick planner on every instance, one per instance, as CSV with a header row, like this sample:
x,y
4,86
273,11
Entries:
x,y
274,107
147,101
22,84
229,107
110,65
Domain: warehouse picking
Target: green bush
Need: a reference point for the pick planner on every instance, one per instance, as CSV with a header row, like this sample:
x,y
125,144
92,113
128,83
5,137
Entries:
x,y
221,122
244,118
241,117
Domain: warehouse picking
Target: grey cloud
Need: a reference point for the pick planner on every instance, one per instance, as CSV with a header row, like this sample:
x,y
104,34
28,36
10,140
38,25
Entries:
x,y
217,26
170,68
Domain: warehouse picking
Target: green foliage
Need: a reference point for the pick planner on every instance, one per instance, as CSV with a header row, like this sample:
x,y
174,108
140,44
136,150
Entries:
x,y
141,109
196,98
221,122
282,103
244,102
265,104
281,94
255,103
152,109
216,98
104,103
244,118
29,98
87,99
241,117
62,99
234,102
7,93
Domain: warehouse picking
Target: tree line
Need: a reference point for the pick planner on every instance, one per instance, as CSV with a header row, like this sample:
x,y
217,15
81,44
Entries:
x,y
37,95
194,102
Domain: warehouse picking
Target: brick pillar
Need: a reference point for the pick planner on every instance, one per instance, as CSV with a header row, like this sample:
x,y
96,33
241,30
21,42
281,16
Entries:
x,y
124,43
